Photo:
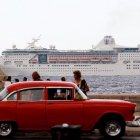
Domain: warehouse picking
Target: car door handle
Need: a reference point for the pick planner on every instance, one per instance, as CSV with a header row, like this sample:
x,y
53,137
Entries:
x,y
21,103
50,103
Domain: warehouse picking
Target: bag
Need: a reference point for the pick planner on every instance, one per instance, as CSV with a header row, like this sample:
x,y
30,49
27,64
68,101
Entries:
x,y
83,86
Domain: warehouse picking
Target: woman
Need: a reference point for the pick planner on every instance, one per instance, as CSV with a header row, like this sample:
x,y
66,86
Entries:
x,y
36,76
82,84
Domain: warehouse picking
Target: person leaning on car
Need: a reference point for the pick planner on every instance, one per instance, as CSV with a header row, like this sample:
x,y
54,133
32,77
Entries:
x,y
36,76
82,84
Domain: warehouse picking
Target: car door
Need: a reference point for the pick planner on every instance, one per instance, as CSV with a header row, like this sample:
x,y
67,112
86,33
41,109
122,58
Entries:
x,y
8,107
61,108
31,108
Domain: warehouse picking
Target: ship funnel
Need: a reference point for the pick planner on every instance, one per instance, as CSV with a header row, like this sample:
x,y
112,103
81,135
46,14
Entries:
x,y
107,43
109,40
14,46
52,47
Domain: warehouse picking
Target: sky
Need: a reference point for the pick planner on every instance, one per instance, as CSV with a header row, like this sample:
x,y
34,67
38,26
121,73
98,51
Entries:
x,y
68,24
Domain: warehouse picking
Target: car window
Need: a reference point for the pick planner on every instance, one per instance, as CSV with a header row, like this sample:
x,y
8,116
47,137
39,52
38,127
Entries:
x,y
59,94
3,93
13,96
79,95
32,94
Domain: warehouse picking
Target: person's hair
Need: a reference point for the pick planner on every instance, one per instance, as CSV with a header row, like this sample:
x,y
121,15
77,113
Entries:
x,y
48,79
25,78
16,80
78,73
8,78
63,78
35,75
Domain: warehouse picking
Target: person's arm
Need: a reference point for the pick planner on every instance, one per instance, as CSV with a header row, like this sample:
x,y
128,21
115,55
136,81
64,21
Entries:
x,y
3,79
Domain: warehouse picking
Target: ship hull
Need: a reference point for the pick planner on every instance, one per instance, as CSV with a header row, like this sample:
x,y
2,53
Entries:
x,y
67,69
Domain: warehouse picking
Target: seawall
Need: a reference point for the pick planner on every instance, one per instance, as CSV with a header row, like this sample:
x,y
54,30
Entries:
x,y
134,98
1,76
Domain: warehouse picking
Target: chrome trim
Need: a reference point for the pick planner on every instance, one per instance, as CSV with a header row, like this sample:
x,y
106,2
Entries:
x,y
31,88
59,87
5,99
58,100
137,118
134,123
30,101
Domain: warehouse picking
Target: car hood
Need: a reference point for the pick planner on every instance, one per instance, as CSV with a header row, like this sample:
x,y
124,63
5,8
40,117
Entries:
x,y
110,102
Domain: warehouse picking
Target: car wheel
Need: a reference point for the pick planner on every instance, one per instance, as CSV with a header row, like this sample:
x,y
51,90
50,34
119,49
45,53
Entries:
x,y
112,127
6,129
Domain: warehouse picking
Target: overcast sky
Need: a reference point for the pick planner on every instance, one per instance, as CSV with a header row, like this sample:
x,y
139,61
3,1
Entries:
x,y
68,24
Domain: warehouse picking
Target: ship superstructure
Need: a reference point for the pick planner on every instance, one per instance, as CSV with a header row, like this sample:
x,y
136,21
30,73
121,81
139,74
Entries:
x,y
106,58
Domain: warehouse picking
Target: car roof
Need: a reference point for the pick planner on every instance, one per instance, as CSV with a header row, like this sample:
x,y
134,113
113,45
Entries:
x,y
28,84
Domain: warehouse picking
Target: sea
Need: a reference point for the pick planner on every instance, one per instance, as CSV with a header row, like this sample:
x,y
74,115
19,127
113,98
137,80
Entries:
x,y
102,84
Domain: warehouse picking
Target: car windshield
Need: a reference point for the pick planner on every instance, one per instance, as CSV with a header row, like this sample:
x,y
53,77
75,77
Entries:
x,y
3,93
79,95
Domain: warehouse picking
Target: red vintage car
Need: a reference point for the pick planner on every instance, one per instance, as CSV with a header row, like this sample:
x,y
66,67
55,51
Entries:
x,y
40,105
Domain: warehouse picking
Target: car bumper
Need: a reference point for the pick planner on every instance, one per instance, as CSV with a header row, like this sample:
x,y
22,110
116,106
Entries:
x,y
134,123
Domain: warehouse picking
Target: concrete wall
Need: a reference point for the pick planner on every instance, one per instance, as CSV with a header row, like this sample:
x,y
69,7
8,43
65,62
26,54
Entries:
x,y
1,76
134,98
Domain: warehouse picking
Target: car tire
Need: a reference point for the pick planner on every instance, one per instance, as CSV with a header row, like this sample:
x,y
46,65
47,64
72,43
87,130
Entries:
x,y
7,129
112,127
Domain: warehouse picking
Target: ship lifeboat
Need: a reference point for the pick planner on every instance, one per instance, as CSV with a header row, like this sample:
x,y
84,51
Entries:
x,y
53,59
73,59
106,59
63,59
95,59
34,60
125,62
84,59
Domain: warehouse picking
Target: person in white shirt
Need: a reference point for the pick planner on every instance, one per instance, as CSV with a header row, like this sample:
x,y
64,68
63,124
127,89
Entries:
x,y
6,82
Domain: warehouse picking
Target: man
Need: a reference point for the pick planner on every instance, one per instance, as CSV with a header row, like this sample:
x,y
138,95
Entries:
x,y
16,80
7,81
24,79
63,79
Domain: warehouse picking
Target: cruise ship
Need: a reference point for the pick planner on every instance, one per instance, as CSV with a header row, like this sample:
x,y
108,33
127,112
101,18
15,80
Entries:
x,y
106,58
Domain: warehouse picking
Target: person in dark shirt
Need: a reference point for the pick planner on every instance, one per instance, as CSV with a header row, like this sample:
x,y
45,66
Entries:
x,y
51,93
63,91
